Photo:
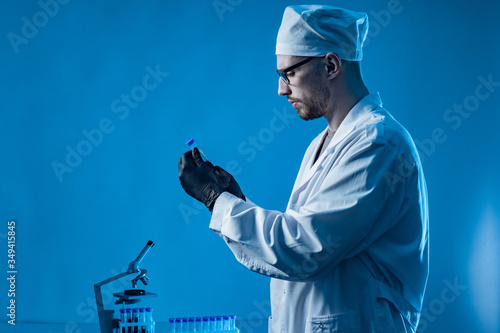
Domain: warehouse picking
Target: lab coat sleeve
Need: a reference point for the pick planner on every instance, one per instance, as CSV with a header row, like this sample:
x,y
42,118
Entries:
x,y
356,202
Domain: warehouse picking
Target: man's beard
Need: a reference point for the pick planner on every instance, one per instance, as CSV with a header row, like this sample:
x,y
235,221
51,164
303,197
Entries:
x,y
313,108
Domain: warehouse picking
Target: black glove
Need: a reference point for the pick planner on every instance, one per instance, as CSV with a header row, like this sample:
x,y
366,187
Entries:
x,y
227,182
198,178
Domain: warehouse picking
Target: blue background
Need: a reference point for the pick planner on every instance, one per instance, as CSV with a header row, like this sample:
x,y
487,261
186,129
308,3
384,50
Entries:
x,y
68,74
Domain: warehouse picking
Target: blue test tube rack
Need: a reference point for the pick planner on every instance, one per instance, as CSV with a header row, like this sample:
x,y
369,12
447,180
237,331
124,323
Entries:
x,y
226,324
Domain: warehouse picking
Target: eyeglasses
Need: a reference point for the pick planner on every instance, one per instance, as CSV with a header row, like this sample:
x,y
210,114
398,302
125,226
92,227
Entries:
x,y
282,73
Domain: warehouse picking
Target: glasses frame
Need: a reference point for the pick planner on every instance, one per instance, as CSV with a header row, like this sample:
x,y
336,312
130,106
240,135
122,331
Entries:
x,y
282,73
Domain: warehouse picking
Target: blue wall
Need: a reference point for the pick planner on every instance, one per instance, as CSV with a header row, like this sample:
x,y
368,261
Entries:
x,y
89,175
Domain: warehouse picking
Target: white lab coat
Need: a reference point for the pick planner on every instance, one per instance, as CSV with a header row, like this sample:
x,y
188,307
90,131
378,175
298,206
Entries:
x,y
350,253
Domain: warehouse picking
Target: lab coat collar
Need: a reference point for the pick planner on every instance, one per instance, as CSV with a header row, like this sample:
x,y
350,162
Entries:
x,y
360,110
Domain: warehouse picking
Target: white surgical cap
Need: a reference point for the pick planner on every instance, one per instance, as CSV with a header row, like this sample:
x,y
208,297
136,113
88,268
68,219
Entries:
x,y
314,30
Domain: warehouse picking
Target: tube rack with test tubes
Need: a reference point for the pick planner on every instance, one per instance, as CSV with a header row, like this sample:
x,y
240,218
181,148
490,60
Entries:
x,y
136,320
204,324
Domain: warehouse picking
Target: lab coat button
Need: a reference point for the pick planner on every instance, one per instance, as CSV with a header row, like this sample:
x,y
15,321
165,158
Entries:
x,y
284,291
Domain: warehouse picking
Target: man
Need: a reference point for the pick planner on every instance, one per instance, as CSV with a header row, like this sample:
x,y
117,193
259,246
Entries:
x,y
350,253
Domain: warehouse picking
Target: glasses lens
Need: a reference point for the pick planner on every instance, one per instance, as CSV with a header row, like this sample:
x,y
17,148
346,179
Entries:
x,y
283,76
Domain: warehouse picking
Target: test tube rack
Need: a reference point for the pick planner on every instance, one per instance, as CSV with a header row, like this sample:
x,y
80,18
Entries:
x,y
137,320
225,324
144,327
134,320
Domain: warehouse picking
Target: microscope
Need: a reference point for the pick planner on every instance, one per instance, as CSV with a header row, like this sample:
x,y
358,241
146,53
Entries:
x,y
107,323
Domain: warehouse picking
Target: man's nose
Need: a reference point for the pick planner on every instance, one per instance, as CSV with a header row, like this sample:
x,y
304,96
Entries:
x,y
283,88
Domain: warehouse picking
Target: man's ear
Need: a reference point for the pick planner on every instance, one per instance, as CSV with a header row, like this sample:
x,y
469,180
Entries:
x,y
332,64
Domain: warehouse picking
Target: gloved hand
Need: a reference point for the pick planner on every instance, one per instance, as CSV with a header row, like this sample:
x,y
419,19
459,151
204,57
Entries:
x,y
198,178
227,182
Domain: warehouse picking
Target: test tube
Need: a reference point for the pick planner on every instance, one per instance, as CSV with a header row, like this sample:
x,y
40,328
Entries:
x,y
142,319
213,323
135,319
218,323
226,323
171,323
149,321
129,319
149,314
232,324
191,145
123,319
198,325
191,324
185,327
178,325
206,324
